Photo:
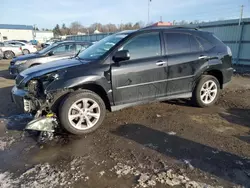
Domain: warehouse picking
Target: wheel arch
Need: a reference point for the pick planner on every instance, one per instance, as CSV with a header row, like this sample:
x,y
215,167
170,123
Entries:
x,y
217,74
96,88
213,72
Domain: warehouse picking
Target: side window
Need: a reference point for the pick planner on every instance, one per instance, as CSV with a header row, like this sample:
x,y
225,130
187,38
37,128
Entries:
x,y
194,44
204,43
177,43
64,48
143,46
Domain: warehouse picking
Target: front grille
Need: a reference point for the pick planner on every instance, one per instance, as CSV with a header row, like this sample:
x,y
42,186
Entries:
x,y
19,79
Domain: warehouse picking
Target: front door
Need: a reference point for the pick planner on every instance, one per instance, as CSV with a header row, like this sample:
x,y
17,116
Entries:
x,y
144,75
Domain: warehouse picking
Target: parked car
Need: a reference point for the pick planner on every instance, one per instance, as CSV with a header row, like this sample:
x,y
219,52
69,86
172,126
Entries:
x,y
1,54
122,70
49,42
26,47
60,50
33,42
10,51
25,41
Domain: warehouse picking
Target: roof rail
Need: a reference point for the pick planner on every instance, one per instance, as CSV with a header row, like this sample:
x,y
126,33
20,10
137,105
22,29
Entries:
x,y
171,27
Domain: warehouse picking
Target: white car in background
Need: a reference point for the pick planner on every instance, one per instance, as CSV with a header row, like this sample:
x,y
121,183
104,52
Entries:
x,y
27,48
9,51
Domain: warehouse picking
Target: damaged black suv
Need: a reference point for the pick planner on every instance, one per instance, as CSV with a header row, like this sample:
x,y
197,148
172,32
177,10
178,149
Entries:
x,y
122,70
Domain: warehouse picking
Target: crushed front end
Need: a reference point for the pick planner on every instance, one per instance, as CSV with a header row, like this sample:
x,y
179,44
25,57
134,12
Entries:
x,y
33,97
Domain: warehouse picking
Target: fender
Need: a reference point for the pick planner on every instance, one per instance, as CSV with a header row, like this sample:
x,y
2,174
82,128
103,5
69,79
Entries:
x,y
79,82
212,64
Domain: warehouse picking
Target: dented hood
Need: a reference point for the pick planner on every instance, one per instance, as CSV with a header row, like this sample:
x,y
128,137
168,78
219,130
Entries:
x,y
52,66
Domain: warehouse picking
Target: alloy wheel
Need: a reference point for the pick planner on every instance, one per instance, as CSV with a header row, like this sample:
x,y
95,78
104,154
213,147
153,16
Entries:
x,y
208,92
84,114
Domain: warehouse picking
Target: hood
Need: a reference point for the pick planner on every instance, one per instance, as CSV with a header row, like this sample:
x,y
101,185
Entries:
x,y
26,57
50,67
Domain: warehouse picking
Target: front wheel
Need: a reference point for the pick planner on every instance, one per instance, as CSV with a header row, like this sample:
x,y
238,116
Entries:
x,y
9,55
82,112
207,91
25,51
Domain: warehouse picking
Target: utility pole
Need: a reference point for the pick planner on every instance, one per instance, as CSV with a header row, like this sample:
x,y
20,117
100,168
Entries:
x,y
34,32
241,13
149,10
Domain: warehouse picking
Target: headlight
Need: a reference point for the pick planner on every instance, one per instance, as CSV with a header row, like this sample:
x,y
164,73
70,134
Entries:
x,y
20,62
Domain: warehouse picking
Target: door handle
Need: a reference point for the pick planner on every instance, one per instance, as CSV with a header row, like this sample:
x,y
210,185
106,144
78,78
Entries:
x,y
203,57
160,63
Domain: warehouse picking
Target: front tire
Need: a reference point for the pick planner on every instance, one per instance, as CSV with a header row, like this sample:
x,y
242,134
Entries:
x,y
8,55
206,92
82,112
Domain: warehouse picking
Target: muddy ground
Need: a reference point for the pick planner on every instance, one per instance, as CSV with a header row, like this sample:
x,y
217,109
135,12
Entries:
x,y
154,145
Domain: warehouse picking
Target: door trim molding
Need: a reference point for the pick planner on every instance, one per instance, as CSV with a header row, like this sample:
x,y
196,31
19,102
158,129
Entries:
x,y
158,81
178,96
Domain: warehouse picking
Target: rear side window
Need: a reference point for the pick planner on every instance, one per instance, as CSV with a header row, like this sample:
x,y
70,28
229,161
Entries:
x,y
204,43
177,43
195,46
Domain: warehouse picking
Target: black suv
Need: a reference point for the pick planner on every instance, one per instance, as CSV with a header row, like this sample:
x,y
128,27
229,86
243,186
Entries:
x,y
126,69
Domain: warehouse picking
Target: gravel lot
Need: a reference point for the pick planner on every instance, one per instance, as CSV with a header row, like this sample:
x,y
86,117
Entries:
x,y
156,145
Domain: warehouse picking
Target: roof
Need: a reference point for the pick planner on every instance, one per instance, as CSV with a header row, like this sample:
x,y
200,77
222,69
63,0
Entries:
x,y
9,26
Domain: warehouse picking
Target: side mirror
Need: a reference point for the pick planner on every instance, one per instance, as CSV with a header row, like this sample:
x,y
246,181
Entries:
x,y
122,55
51,53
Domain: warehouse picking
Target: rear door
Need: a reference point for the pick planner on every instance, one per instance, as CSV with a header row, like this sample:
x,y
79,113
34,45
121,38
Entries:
x,y
143,76
184,59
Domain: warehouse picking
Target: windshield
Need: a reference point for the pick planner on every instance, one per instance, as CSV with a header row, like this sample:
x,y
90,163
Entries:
x,y
48,48
98,49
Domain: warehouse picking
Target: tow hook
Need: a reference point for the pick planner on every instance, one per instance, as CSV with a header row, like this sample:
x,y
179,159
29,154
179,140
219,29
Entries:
x,y
46,125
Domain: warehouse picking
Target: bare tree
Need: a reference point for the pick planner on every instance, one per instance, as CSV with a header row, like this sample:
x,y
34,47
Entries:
x,y
75,27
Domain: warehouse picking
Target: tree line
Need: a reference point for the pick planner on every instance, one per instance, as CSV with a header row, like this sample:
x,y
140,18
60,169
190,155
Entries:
x,y
77,28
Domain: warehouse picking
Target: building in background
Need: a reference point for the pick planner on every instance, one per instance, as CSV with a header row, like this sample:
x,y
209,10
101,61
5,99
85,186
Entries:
x,y
43,36
16,32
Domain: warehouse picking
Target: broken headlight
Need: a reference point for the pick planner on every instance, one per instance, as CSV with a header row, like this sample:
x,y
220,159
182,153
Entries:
x,y
35,87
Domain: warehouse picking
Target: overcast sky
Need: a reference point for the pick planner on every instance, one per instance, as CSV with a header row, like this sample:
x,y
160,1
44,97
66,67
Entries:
x,y
47,13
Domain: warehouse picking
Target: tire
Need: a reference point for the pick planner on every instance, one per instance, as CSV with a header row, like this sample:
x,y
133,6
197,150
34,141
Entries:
x,y
8,54
25,51
203,96
75,99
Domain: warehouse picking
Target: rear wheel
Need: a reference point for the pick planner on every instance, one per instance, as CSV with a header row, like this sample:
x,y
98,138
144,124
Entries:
x,y
8,55
25,51
82,112
207,91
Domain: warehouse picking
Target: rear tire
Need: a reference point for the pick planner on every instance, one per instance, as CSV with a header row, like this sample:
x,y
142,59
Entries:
x,y
206,92
8,54
26,51
82,112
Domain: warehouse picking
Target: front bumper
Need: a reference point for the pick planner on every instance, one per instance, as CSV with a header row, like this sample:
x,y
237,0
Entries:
x,y
17,96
